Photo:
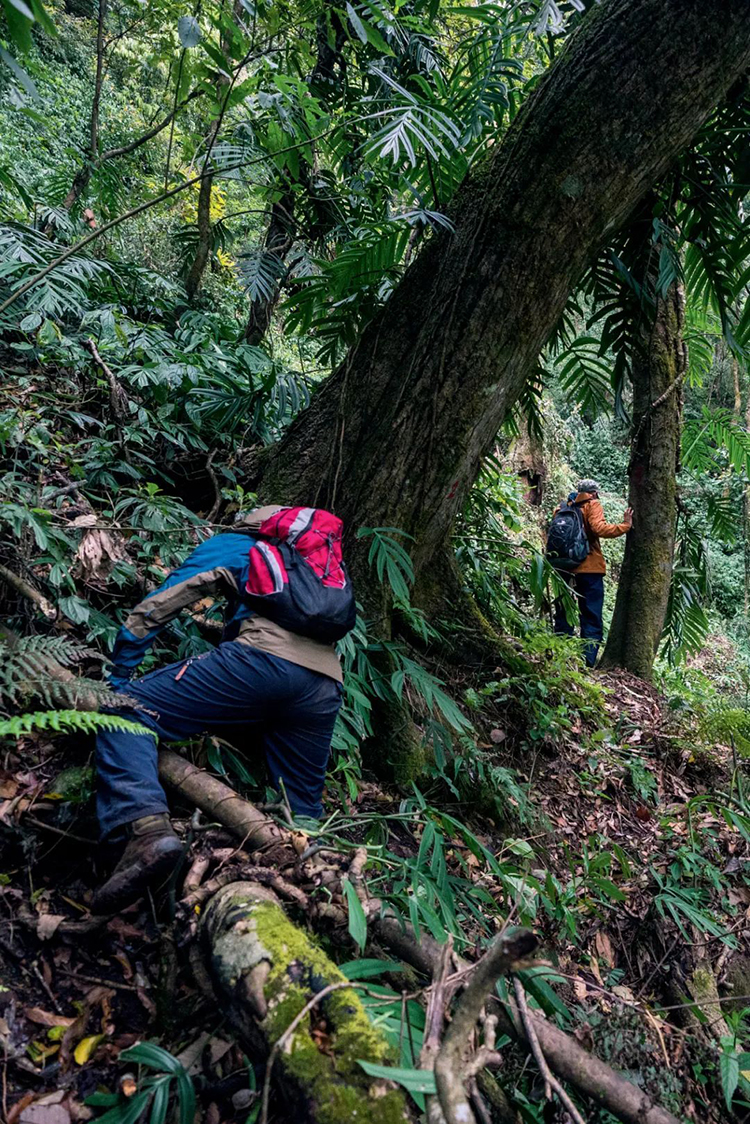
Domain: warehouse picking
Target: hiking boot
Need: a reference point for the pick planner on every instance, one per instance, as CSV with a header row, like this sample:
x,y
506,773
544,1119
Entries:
x,y
152,852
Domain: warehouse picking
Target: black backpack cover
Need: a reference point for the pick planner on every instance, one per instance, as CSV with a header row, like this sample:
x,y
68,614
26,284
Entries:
x,y
567,542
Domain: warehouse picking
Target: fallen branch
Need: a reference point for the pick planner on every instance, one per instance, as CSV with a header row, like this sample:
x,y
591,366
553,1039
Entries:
x,y
222,803
565,1057
550,1081
280,1043
437,1004
44,606
510,947
268,975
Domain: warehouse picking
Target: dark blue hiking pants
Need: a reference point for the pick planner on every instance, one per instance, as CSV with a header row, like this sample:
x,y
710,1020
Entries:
x,y
272,704
588,590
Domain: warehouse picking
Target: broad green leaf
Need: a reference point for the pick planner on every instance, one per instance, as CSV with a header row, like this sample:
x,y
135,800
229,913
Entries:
x,y
729,1065
357,919
365,969
415,1080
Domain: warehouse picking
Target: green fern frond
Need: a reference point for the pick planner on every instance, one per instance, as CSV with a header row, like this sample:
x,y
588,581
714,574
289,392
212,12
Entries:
x,y
728,726
68,722
26,672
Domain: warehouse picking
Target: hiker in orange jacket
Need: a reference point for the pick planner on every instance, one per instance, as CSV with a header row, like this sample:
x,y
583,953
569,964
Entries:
x,y
587,580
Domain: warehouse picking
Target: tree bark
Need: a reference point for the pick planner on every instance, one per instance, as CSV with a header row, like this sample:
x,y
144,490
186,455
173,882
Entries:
x,y
279,240
527,461
396,435
643,590
82,177
198,265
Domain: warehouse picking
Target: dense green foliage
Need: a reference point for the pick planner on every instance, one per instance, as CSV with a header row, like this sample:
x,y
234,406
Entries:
x,y
134,399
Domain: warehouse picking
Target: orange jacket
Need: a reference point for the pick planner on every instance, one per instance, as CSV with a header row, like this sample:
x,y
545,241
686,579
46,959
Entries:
x,y
597,528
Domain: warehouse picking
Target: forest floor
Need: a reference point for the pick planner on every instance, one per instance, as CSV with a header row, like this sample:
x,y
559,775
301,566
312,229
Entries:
x,y
638,878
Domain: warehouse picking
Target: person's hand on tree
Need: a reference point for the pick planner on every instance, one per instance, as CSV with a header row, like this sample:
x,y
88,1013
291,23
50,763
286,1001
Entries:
x,y
628,518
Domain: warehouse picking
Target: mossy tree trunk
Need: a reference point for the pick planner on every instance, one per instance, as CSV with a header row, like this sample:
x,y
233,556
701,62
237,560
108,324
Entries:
x,y
265,970
643,590
397,434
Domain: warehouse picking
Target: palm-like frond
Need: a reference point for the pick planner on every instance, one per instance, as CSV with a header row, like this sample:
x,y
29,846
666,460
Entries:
x,y
24,251
585,375
261,271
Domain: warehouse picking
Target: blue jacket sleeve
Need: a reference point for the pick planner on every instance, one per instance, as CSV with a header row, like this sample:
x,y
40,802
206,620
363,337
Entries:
x,y
215,568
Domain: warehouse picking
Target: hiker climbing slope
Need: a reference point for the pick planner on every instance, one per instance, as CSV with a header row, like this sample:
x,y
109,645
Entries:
x,y
274,682
573,548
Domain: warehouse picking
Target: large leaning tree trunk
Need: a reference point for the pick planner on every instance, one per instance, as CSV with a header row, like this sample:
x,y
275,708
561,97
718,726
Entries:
x,y
643,589
397,434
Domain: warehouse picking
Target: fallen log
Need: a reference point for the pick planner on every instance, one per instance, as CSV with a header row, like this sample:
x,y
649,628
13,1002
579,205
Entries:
x,y
254,830
265,970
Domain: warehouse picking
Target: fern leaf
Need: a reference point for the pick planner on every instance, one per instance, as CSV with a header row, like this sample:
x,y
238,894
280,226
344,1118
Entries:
x,y
68,722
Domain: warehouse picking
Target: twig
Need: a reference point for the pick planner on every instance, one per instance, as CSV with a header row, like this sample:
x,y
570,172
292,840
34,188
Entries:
x,y
510,947
280,1043
437,1005
217,490
60,831
263,874
118,399
97,980
550,1081
28,591
194,876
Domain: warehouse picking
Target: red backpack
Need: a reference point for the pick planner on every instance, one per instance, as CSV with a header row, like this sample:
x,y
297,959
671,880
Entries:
x,y
297,576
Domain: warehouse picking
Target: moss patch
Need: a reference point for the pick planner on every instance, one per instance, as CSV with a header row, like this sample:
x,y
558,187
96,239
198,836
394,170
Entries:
x,y
342,1092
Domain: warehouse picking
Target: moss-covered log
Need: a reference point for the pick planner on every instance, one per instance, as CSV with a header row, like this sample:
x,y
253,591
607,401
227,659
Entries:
x,y
265,969
643,590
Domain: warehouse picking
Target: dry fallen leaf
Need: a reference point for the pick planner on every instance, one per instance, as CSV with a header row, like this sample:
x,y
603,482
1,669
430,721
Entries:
x,y
580,989
47,1110
604,948
47,925
8,786
47,1018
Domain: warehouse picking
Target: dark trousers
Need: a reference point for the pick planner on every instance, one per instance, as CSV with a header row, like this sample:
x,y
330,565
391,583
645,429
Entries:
x,y
273,704
588,590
